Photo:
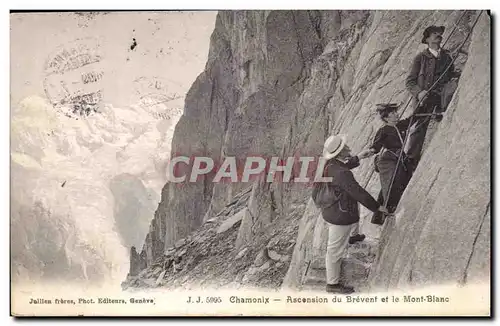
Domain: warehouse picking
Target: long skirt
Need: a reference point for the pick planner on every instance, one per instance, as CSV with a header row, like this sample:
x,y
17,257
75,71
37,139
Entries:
x,y
387,167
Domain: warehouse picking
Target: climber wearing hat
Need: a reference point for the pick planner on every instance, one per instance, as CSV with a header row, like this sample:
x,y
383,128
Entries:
x,y
343,215
427,67
388,142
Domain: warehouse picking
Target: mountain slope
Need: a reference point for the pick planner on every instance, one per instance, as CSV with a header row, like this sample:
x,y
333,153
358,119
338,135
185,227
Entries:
x,y
278,83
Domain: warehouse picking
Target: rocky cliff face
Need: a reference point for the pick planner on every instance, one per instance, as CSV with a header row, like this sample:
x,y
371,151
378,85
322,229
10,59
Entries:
x,y
278,83
442,231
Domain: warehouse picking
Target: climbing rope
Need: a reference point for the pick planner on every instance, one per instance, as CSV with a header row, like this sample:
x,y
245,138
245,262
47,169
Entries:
x,y
442,46
418,104
411,120
410,97
454,28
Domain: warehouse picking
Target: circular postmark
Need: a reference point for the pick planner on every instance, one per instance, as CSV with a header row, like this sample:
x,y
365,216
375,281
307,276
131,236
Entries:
x,y
158,97
73,75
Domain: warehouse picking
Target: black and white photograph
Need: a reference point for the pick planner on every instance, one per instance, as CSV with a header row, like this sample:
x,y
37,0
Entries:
x,y
250,163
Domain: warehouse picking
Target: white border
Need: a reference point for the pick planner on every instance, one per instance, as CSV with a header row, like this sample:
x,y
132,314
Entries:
x,y
255,4
185,4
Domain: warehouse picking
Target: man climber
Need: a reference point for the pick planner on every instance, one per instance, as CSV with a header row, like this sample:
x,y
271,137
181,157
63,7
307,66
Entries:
x,y
341,212
434,68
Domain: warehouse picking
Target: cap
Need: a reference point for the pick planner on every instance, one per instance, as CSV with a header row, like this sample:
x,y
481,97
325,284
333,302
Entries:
x,y
431,29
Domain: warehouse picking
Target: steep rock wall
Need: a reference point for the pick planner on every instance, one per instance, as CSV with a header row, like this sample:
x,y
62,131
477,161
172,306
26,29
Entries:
x,y
241,103
379,68
442,231
278,83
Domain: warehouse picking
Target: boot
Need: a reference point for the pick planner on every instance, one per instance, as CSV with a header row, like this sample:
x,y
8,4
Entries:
x,y
378,218
356,238
339,288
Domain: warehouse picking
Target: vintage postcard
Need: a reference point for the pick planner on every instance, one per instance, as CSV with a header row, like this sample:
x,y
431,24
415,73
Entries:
x,y
250,163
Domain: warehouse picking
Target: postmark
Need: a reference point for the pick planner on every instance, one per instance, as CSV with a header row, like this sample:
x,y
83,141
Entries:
x,y
157,97
73,75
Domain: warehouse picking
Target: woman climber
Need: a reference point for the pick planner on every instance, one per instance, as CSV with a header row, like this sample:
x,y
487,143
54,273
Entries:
x,y
388,142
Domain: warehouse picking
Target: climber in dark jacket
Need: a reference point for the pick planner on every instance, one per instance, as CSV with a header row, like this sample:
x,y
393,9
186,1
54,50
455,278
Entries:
x,y
390,139
351,162
343,215
431,66
350,193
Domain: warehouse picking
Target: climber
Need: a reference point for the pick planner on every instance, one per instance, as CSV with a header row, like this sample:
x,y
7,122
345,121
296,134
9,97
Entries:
x,y
351,163
390,139
427,68
343,215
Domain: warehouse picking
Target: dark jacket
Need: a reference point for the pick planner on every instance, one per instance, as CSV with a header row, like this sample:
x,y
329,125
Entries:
x,y
425,70
349,192
387,136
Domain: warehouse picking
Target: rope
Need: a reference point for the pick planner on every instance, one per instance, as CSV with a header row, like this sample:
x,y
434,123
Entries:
x,y
454,28
418,104
442,46
456,51
411,120
410,97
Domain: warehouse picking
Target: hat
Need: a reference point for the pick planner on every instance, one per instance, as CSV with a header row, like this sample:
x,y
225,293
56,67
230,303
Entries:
x,y
333,146
386,107
431,29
